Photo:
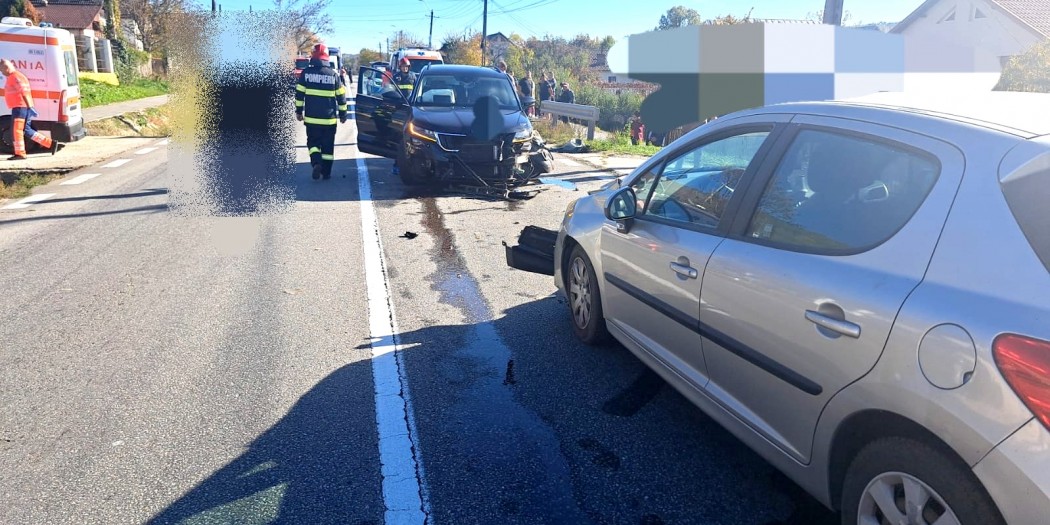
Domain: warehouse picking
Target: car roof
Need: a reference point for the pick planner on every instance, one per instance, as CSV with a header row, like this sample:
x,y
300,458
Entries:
x,y
454,69
1016,113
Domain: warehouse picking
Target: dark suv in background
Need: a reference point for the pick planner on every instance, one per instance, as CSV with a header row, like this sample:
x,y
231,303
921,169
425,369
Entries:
x,y
432,132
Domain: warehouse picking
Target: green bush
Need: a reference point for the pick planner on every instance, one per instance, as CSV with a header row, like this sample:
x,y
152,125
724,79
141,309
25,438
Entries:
x,y
126,61
614,110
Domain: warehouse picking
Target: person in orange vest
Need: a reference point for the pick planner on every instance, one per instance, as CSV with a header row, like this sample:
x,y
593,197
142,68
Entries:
x,y
19,98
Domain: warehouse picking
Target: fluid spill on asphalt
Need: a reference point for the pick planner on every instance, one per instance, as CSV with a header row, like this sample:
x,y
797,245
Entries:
x,y
509,445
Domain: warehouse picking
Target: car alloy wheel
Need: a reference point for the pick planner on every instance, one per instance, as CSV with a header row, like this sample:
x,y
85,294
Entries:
x,y
585,302
580,293
896,498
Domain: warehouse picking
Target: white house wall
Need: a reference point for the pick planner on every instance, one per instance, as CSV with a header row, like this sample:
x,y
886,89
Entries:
x,y
997,32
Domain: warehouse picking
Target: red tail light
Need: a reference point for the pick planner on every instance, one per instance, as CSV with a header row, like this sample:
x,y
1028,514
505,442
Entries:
x,y
62,115
1025,363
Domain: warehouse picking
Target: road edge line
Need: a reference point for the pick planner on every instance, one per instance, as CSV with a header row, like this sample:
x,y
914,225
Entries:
x,y
402,486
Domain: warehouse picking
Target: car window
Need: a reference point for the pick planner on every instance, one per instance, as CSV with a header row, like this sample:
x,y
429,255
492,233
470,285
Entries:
x,y
695,187
642,186
841,193
463,90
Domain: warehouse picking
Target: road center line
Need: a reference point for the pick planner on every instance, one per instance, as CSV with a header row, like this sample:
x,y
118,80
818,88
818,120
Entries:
x,y
144,151
117,163
398,454
28,201
80,179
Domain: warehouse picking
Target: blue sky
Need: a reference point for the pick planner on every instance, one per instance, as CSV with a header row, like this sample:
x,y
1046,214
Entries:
x,y
361,23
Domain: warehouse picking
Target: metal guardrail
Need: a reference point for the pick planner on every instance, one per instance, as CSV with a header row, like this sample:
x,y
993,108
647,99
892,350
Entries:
x,y
576,111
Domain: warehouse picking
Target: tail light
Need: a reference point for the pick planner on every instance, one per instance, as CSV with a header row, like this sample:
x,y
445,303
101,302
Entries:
x,y
1025,363
62,115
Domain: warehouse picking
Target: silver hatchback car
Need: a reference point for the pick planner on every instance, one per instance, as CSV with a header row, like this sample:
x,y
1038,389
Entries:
x,y
859,290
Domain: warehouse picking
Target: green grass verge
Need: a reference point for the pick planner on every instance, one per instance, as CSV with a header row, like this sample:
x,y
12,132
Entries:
x,y
18,184
620,144
98,93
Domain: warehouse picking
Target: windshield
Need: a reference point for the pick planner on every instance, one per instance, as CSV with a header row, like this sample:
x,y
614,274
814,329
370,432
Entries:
x,y
301,63
418,64
462,91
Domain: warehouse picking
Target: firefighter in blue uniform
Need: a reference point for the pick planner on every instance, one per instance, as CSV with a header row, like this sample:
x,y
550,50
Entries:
x,y
320,102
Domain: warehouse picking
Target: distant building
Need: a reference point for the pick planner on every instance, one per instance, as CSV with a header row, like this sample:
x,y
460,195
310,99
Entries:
x,y
496,46
1005,28
85,20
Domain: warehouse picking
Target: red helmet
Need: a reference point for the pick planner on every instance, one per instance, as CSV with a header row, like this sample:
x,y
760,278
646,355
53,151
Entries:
x,y
404,62
320,52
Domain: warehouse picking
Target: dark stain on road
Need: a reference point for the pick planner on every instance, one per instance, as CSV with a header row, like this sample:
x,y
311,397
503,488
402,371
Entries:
x,y
633,398
509,379
603,457
458,288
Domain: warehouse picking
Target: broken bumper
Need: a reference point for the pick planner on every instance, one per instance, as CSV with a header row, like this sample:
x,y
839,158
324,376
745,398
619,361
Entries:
x,y
534,251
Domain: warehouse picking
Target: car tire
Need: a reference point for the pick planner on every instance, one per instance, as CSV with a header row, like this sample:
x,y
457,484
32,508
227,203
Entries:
x,y
585,302
913,474
410,172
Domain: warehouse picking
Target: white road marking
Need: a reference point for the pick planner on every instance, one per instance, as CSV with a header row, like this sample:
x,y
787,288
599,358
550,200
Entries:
x,y
117,163
29,201
163,142
144,151
80,179
398,454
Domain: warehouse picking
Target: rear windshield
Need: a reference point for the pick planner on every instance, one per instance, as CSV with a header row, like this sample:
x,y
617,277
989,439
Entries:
x,y
71,68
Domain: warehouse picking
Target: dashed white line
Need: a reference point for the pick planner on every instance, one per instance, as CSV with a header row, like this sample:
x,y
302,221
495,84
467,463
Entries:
x,y
117,163
398,455
163,142
28,201
144,151
80,179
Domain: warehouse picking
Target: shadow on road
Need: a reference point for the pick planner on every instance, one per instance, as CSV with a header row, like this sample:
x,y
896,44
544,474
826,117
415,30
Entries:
x,y
157,208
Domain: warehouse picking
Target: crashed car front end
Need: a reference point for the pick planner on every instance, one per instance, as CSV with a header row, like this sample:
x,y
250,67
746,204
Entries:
x,y
457,158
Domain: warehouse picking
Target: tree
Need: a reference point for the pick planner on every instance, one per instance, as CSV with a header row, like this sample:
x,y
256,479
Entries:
x,y
367,56
1029,71
462,50
19,8
112,8
679,16
156,20
728,20
307,18
819,17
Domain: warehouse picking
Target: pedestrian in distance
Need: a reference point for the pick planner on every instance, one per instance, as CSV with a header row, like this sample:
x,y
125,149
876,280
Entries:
x,y
320,103
19,98
544,89
637,129
528,88
502,66
567,96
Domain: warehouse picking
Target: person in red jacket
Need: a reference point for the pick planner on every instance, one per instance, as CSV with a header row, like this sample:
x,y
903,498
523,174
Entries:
x,y
19,98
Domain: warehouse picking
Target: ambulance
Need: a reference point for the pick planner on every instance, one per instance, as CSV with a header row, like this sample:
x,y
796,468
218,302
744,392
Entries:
x,y
47,57
417,58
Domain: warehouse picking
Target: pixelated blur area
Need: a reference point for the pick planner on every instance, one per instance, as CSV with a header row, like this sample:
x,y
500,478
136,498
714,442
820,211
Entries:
x,y
709,71
232,151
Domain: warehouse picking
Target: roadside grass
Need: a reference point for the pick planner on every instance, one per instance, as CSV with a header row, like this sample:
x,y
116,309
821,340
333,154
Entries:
x,y
152,122
620,144
554,133
18,184
94,93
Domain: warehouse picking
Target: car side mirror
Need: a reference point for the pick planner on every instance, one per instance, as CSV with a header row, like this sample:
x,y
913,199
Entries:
x,y
622,208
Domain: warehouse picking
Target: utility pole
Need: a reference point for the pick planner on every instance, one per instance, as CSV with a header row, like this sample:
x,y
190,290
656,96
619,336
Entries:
x,y
212,6
833,12
485,29
430,39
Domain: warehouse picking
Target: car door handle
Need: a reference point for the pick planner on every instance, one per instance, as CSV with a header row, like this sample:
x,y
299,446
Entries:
x,y
683,270
843,327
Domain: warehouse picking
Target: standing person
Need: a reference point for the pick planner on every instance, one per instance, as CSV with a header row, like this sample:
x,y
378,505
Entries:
x,y
637,129
405,79
502,66
567,96
320,94
528,88
19,97
544,92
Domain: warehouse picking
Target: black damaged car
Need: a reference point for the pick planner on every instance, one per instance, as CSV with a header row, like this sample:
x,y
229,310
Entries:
x,y
433,133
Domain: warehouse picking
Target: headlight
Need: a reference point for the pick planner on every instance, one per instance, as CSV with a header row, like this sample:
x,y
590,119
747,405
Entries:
x,y
571,208
523,135
421,133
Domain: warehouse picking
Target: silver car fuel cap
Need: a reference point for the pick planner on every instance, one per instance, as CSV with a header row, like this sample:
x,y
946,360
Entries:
x,y
947,356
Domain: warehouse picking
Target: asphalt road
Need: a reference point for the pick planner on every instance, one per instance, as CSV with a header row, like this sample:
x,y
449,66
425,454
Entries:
x,y
159,363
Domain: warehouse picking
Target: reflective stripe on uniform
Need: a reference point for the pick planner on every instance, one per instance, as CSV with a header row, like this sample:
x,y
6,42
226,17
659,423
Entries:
x,y
327,156
342,107
300,103
405,86
321,121
340,91
300,87
319,92
315,150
